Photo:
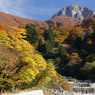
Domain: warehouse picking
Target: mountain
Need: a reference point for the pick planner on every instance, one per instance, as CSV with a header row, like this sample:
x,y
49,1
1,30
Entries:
x,y
8,20
75,11
70,15
64,20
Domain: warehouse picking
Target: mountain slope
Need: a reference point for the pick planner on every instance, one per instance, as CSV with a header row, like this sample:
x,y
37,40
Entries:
x,y
64,20
8,19
75,11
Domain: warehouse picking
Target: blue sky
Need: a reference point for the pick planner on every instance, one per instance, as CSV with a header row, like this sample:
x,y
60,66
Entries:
x,y
40,9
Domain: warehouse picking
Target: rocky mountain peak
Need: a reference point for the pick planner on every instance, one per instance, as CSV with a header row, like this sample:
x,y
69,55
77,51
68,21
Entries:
x,y
74,5
75,11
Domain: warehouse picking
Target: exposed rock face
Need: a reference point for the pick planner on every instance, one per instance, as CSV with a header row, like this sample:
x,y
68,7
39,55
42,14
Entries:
x,y
75,11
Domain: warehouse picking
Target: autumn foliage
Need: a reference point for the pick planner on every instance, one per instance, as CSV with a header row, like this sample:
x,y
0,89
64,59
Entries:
x,y
32,56
21,66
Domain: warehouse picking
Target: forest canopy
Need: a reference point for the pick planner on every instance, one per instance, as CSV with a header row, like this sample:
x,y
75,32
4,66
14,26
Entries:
x,y
21,65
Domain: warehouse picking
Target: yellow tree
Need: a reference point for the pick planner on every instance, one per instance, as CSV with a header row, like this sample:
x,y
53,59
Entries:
x,y
28,63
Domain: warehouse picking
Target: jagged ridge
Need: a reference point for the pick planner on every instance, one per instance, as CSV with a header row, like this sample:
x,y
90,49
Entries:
x,y
75,11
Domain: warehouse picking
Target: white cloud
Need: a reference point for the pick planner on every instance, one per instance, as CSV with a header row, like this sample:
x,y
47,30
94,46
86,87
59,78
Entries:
x,y
11,7
25,8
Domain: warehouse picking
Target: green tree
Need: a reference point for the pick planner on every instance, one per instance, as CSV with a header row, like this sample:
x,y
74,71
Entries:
x,y
93,36
59,24
32,34
49,36
47,49
62,51
88,35
78,43
57,44
40,47
89,70
83,53
63,58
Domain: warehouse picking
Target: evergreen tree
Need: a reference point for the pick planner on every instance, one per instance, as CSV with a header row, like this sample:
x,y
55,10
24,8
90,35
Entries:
x,y
47,48
62,55
57,44
78,42
40,47
62,51
32,34
88,35
93,36
59,24
49,36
